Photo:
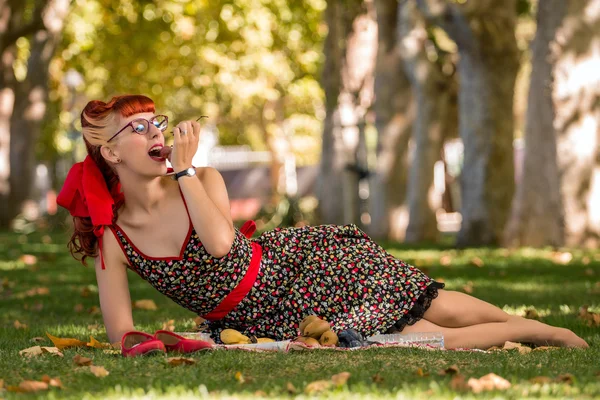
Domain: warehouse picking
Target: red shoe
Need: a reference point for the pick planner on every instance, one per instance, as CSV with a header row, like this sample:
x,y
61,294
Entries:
x,y
177,343
136,343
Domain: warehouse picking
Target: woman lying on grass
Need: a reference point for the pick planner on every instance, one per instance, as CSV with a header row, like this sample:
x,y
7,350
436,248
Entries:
x,y
176,232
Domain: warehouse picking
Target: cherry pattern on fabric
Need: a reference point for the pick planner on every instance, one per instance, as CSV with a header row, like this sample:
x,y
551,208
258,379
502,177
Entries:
x,y
335,272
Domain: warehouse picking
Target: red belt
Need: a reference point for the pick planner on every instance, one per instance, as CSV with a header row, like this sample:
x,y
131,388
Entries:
x,y
241,290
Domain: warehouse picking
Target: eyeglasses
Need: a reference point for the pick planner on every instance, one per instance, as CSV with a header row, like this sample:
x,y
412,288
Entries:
x,y
141,126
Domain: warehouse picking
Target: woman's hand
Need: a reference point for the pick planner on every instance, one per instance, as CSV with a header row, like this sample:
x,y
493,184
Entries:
x,y
185,145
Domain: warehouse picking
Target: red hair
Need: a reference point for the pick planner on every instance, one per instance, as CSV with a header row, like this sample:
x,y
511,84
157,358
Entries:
x,y
98,124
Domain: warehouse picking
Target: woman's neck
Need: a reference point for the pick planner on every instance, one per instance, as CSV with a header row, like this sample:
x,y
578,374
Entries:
x,y
142,196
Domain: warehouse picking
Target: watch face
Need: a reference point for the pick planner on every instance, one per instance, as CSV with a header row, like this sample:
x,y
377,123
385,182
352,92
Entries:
x,y
191,171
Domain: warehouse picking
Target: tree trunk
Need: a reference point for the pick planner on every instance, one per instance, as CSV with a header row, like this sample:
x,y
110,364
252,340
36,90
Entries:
x,y
431,92
394,116
576,94
348,84
29,102
537,218
484,34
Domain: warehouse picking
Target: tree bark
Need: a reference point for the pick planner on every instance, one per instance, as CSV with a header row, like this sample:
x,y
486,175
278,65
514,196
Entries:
x,y
484,34
28,109
537,218
394,116
348,83
431,91
576,94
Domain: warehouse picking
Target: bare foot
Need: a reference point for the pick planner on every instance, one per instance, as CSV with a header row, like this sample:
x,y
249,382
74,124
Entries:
x,y
566,338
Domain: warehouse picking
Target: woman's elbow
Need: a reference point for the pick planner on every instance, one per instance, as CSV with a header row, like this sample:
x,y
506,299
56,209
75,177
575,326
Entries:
x,y
222,249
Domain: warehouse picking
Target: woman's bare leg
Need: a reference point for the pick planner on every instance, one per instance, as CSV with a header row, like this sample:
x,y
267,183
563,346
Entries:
x,y
486,335
455,310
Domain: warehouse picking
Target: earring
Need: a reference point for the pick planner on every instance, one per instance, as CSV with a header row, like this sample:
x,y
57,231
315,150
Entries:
x,y
118,160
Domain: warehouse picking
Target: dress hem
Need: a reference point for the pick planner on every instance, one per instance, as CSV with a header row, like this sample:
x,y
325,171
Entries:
x,y
418,309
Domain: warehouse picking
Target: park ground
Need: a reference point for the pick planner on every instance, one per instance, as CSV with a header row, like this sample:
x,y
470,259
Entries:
x,y
43,290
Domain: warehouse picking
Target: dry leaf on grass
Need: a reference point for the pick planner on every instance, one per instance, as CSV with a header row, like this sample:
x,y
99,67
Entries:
x,y
488,382
531,313
96,344
445,260
37,339
545,348
239,377
1,383
591,318
175,361
260,393
421,373
451,370
565,378
377,378
32,386
19,325
589,272
468,288
458,382
99,371
540,379
63,343
562,258
39,350
28,259
78,307
93,310
317,387
291,389
169,325
55,382
522,349
145,305
478,262
82,361
340,379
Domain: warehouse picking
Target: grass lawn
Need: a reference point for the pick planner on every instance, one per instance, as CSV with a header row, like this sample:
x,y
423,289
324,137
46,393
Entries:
x,y
44,288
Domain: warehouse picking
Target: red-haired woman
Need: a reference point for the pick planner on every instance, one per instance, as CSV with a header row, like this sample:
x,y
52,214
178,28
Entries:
x,y
178,235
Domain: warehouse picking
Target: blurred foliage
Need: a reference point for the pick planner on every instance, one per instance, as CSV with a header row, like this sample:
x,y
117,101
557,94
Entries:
x,y
248,64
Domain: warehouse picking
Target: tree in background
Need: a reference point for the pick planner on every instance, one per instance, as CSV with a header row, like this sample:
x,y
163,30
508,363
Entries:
x,y
350,51
576,95
484,34
537,215
29,35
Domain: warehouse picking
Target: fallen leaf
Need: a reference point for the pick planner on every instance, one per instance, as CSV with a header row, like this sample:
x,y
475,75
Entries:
x,y
445,260
511,345
565,378
377,378
451,370
589,272
85,292
340,379
545,348
32,386
458,382
93,327
96,344
175,361
317,387
19,325
82,361
145,305
55,382
488,382
420,372
585,260
468,288
93,310
1,384
291,389
78,307
63,343
478,262
540,379
37,339
28,259
591,318
531,313
37,291
116,345
260,393
37,307
99,371
169,326
38,350
239,377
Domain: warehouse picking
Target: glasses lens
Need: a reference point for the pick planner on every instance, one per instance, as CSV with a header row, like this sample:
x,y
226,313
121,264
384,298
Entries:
x,y
161,122
140,126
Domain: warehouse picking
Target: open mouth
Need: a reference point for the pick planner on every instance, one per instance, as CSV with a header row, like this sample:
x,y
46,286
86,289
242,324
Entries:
x,y
155,153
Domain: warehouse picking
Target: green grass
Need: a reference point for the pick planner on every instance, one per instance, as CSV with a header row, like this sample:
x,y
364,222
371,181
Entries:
x,y
512,280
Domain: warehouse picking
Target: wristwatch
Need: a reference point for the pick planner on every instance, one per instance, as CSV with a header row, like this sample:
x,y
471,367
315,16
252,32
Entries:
x,y
191,171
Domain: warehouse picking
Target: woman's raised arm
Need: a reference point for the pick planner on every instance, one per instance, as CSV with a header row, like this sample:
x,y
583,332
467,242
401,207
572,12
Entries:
x,y
113,290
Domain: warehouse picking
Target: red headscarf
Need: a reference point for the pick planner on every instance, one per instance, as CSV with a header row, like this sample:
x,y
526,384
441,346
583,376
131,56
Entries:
x,y
85,194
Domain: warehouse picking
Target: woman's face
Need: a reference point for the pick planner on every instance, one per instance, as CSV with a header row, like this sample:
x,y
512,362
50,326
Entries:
x,y
139,144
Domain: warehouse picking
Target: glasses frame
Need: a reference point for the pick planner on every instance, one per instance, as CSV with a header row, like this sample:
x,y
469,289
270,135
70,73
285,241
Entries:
x,y
149,121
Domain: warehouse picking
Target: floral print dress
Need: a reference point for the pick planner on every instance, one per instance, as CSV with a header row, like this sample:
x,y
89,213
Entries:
x,y
335,272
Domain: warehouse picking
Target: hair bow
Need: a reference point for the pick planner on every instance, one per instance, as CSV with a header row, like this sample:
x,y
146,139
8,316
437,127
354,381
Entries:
x,y
85,194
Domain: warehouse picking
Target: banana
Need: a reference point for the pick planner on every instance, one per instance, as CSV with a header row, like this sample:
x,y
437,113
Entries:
x,y
316,328
231,336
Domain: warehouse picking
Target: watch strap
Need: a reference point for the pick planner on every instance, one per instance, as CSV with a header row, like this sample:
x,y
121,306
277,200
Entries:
x,y
180,174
